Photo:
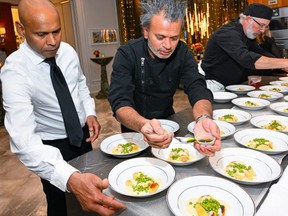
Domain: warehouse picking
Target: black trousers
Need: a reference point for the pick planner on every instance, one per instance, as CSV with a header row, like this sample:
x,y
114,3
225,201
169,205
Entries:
x,y
56,202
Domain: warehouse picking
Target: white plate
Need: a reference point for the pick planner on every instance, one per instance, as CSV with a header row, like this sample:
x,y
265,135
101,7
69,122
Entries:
x,y
283,78
223,97
262,120
181,192
279,83
265,167
169,125
240,102
279,140
280,107
163,154
240,89
153,167
109,143
286,98
272,96
274,88
226,128
241,115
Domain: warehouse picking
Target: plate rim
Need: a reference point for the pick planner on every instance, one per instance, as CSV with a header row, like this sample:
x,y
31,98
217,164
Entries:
x,y
101,146
249,88
274,86
234,110
262,129
263,101
171,122
214,181
278,111
233,96
280,95
268,116
236,151
151,161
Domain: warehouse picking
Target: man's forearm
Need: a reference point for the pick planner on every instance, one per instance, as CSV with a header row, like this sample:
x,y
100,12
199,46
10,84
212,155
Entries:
x,y
130,118
271,63
202,107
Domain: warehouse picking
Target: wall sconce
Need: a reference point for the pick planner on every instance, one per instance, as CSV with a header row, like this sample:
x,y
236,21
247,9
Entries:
x,y
2,31
2,35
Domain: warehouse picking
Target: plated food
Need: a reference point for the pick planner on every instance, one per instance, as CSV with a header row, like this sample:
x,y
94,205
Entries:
x,y
124,145
267,95
169,126
240,89
251,103
223,97
274,88
141,184
206,205
280,108
178,154
188,194
141,177
264,140
226,129
233,116
240,171
245,166
271,122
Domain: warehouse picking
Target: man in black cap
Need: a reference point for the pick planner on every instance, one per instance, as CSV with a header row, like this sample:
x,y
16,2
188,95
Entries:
x,y
232,52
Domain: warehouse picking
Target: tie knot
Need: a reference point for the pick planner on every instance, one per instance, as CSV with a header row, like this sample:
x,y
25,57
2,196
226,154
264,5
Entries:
x,y
51,61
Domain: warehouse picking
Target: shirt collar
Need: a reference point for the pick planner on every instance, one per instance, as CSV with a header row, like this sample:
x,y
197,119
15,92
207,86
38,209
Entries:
x,y
35,57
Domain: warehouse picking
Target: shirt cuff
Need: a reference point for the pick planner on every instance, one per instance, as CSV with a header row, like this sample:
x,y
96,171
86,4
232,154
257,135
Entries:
x,y
62,173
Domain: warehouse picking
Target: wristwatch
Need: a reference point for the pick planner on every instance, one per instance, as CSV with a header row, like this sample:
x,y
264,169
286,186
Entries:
x,y
202,116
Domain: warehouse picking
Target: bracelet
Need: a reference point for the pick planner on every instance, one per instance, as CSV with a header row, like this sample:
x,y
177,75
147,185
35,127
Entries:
x,y
202,116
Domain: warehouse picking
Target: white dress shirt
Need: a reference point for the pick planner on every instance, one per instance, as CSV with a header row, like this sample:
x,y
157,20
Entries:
x,y
33,113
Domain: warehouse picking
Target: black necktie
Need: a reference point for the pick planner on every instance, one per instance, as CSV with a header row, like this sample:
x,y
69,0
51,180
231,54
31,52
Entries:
x,y
69,113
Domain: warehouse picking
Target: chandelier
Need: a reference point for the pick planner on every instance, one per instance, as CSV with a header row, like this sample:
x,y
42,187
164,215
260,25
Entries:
x,y
197,21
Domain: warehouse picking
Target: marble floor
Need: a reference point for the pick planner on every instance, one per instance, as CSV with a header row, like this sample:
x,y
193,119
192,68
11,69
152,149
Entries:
x,y
21,191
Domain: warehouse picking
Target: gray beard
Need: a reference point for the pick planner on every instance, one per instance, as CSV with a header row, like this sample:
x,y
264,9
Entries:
x,y
156,53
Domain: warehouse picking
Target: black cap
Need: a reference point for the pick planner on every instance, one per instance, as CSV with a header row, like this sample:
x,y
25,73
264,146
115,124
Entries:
x,y
259,11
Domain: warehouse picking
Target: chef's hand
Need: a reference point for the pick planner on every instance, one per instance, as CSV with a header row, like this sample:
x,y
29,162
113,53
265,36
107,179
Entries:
x,y
155,135
88,188
207,125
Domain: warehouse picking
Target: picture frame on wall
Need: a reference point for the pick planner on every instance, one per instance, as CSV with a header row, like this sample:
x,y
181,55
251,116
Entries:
x,y
103,36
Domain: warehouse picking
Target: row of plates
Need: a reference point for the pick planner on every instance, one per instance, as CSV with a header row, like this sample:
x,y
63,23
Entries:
x,y
276,86
279,138
181,192
225,97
